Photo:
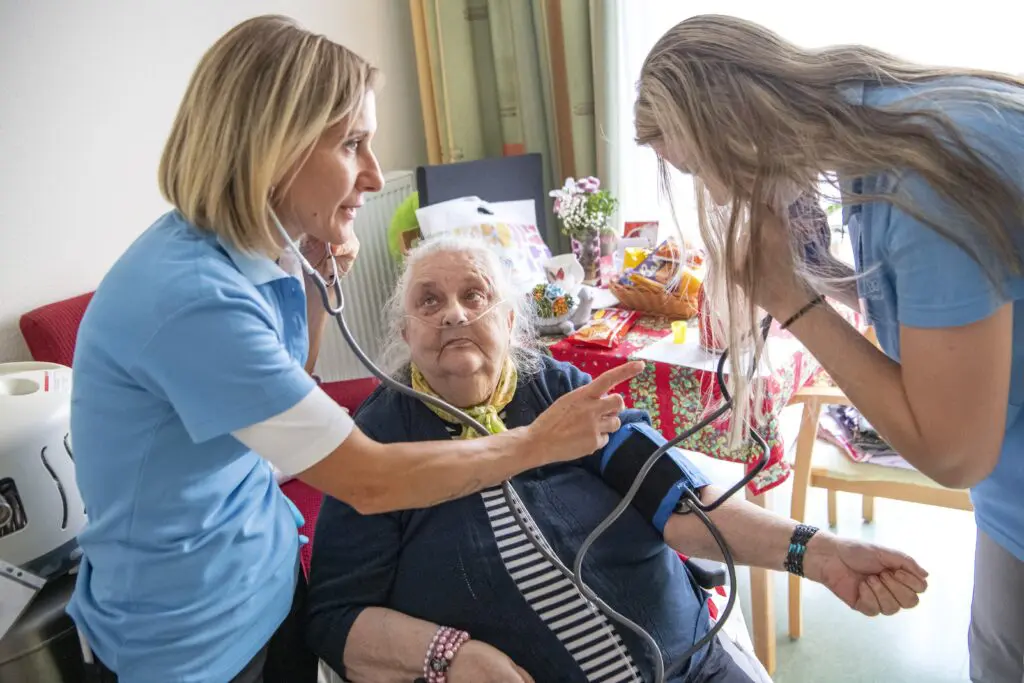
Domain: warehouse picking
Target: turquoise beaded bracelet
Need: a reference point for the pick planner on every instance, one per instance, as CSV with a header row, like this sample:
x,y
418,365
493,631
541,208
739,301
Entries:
x,y
797,547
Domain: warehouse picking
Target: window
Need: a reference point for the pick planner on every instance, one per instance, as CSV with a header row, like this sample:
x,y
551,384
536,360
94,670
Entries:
x,y
980,34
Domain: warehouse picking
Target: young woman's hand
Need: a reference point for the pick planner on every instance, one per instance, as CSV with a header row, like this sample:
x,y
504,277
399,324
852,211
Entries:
x,y
778,288
870,579
478,662
578,423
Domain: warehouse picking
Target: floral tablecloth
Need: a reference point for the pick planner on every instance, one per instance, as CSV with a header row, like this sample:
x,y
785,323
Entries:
x,y
676,397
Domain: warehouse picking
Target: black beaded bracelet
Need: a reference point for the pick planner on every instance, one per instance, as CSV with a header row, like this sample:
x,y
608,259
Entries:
x,y
797,547
803,311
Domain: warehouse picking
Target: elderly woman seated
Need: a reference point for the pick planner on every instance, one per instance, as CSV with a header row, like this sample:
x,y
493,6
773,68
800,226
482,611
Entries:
x,y
457,592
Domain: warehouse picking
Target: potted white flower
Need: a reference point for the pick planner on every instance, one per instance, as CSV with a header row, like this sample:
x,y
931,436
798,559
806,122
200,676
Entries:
x,y
585,211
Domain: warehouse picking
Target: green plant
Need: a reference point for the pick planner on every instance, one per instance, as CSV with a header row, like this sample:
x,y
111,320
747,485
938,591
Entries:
x,y
583,208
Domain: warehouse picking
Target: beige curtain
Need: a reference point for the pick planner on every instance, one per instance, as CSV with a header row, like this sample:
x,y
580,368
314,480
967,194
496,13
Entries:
x,y
504,77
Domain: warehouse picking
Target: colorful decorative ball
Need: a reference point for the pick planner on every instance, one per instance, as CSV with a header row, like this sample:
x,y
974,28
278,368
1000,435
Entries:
x,y
551,301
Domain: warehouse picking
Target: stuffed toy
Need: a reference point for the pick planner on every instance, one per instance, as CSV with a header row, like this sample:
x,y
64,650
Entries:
x,y
559,312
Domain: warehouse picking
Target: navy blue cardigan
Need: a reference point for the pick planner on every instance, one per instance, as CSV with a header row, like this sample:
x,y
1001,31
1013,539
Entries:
x,y
444,565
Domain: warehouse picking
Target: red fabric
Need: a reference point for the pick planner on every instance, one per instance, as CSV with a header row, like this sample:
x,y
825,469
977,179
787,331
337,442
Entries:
x,y
50,331
677,397
307,500
349,395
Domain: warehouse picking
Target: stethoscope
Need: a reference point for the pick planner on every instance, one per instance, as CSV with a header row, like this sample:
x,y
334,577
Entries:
x,y
691,502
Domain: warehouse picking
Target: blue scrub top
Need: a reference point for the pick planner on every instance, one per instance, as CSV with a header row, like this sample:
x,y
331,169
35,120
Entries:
x,y
191,550
911,276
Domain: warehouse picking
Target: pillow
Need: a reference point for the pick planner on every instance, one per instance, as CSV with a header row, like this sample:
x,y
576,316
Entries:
x,y
519,247
509,228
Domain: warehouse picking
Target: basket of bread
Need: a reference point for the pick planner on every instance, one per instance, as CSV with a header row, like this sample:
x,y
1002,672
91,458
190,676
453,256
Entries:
x,y
666,283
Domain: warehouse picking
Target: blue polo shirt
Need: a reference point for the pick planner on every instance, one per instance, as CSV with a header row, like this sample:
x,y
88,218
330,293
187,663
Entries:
x,y
191,549
914,277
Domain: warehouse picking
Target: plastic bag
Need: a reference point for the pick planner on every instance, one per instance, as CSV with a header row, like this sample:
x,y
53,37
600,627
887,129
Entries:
x,y
606,329
662,272
508,228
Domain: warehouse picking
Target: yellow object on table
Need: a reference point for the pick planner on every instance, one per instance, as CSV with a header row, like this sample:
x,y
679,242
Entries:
x,y
690,281
679,331
634,256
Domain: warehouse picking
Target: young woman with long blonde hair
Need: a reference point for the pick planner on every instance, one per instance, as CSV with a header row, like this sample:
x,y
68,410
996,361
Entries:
x,y
929,165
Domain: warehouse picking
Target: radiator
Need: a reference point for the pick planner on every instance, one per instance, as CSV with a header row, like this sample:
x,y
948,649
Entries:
x,y
368,284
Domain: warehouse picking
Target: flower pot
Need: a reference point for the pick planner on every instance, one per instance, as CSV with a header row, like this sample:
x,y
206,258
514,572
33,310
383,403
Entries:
x,y
587,250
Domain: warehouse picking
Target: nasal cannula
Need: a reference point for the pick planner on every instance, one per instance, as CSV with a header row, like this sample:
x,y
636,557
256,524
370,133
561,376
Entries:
x,y
692,502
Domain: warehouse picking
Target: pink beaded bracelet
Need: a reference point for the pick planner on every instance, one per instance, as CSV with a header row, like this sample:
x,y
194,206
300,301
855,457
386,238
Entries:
x,y
443,648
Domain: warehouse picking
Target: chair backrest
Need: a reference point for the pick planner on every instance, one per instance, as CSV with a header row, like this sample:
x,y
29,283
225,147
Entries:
x,y
50,331
503,179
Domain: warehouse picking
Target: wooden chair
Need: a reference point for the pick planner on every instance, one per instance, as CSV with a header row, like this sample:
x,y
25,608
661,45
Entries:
x,y
829,468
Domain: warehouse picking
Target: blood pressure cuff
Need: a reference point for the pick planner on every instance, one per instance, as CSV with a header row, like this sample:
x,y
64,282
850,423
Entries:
x,y
625,454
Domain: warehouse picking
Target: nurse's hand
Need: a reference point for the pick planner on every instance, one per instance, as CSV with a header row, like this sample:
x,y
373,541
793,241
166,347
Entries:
x,y
478,662
777,287
579,422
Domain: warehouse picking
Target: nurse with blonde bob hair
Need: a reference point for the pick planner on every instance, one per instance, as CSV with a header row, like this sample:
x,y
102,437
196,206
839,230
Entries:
x,y
192,377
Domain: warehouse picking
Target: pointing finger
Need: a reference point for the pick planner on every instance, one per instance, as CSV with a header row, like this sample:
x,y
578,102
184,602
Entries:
x,y
603,384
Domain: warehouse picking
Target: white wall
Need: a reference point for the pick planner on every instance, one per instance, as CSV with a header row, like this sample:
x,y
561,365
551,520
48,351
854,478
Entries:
x,y
88,90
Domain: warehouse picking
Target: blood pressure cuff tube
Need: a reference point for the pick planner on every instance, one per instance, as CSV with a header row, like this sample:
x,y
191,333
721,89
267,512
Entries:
x,y
625,454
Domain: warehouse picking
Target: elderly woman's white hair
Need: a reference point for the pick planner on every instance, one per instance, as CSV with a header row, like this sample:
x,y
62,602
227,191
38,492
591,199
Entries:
x,y
395,355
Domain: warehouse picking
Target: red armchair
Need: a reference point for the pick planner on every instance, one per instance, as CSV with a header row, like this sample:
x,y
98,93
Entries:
x,y
51,331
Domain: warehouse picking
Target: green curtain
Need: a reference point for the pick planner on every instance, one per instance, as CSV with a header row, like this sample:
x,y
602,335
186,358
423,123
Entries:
x,y
504,77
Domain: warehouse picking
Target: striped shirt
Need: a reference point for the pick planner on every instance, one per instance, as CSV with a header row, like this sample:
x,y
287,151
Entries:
x,y
584,631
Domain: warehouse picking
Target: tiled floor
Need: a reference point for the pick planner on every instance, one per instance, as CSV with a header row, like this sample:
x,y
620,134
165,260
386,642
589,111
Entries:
x,y
927,644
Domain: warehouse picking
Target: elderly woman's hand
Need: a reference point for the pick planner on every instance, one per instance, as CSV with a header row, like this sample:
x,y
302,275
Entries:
x,y
478,662
578,423
318,254
870,579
